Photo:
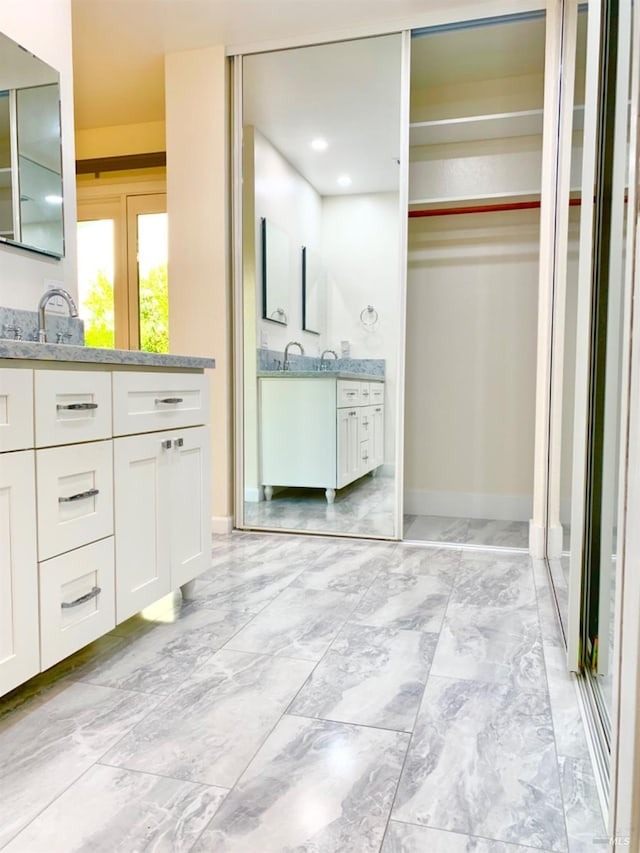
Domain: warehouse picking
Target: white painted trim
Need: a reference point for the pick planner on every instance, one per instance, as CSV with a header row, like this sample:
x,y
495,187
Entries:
x,y
583,325
254,496
468,505
550,130
221,524
537,540
555,539
238,290
445,14
403,261
625,752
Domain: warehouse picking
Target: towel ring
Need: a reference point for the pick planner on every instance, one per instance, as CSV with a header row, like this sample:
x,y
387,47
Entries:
x,y
369,317
282,315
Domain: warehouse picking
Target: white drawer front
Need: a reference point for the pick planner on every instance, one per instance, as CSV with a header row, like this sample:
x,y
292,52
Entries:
x,y
365,393
72,406
16,409
145,402
75,496
77,600
348,393
376,393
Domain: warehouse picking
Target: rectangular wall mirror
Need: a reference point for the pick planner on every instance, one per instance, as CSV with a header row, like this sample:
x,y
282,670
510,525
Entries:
x,y
31,201
319,432
314,292
276,272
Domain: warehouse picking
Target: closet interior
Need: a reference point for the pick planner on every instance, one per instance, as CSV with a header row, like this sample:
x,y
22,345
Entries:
x,y
476,112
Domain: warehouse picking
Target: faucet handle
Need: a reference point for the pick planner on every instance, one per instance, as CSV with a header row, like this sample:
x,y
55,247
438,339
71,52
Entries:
x,y
63,337
16,331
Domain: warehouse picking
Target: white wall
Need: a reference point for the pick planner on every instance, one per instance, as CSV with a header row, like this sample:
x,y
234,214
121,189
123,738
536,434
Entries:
x,y
471,361
45,30
287,200
360,247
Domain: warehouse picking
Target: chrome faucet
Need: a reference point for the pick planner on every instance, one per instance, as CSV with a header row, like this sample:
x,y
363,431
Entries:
x,y
44,299
324,352
285,363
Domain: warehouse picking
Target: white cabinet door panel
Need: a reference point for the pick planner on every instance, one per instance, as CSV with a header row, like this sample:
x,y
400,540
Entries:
x,y
142,521
16,409
348,446
190,504
19,643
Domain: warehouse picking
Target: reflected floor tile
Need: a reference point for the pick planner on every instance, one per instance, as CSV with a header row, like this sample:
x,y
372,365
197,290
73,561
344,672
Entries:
x,y
411,602
482,762
474,645
300,623
585,826
314,786
250,587
129,812
44,748
498,534
209,731
370,676
159,661
438,528
405,838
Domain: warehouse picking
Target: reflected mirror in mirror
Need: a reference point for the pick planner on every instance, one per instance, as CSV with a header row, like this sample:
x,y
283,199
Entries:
x,y
276,272
319,432
30,152
314,291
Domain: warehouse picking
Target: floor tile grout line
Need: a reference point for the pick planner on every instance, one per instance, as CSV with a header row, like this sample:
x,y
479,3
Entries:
x,y
513,844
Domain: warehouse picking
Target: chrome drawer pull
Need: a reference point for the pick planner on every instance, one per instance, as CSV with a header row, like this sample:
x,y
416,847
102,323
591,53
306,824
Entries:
x,y
168,400
166,444
365,393
91,493
76,407
178,442
94,593
378,410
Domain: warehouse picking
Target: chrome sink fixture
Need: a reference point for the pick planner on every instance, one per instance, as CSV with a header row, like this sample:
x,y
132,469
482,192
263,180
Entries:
x,y
324,352
44,300
285,363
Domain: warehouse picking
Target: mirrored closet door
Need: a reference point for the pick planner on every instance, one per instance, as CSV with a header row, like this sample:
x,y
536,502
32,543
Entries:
x,y
323,261
477,93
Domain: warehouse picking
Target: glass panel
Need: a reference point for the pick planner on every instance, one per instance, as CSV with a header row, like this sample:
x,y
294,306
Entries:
x,y
153,291
321,142
6,206
477,92
95,281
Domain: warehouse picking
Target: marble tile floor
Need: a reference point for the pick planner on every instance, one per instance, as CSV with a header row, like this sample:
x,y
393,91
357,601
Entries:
x,y
317,696
363,508
482,532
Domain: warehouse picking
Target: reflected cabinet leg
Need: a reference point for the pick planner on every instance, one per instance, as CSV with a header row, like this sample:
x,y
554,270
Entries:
x,y
268,493
188,590
330,495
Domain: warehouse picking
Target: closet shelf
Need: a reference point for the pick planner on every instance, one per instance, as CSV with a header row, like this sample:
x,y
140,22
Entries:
x,y
494,207
480,127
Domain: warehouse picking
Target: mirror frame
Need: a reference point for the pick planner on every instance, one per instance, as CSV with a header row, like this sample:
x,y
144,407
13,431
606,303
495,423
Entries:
x,y
305,326
267,275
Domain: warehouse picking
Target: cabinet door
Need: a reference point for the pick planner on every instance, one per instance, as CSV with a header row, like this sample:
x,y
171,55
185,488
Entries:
x,y
16,409
142,472
19,638
348,447
376,419
190,499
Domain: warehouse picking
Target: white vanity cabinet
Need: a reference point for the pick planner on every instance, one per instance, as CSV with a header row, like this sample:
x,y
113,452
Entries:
x,y
319,432
104,503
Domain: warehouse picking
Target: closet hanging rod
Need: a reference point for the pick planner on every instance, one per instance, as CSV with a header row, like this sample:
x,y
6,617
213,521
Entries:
x,y
482,208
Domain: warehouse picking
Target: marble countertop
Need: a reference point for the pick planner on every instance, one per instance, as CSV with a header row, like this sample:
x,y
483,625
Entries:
x,y
32,350
318,374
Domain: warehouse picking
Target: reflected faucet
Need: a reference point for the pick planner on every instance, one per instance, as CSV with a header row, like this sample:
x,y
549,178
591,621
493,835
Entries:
x,y
324,352
285,363
44,299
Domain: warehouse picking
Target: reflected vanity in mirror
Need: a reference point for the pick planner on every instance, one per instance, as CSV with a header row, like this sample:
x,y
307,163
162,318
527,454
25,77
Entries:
x,y
314,292
276,273
30,152
319,433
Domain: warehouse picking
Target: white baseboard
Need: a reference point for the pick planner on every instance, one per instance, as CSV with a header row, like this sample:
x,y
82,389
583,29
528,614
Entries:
x,y
536,540
221,524
554,542
469,505
254,496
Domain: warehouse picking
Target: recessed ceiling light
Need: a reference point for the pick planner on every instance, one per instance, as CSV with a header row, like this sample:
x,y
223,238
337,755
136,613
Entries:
x,y
344,181
319,144
53,199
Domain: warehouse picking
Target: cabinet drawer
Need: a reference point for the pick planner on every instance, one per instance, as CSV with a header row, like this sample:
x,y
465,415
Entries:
x,y
77,600
16,409
376,396
365,393
72,406
75,496
145,402
348,393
